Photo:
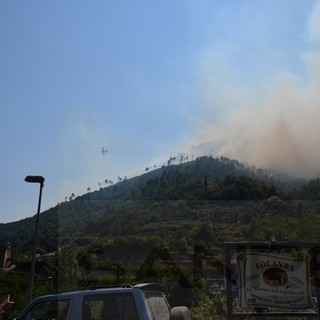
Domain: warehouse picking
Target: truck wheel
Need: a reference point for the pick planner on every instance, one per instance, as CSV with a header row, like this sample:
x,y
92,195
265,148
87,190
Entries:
x,y
180,313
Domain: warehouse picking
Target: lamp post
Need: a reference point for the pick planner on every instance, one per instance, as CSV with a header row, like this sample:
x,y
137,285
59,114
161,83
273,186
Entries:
x,y
40,180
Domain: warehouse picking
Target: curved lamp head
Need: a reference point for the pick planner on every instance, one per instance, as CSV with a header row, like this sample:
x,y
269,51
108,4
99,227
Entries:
x,y
34,179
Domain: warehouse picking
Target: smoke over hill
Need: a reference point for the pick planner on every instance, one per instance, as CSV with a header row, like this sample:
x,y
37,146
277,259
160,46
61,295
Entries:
x,y
273,123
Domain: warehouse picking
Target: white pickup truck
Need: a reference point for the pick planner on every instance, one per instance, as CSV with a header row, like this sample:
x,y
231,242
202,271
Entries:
x,y
139,302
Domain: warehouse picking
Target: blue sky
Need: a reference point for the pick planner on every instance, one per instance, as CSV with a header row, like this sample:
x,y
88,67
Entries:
x,y
148,80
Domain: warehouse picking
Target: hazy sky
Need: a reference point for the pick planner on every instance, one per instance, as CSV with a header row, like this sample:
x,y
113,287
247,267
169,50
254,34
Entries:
x,y
148,80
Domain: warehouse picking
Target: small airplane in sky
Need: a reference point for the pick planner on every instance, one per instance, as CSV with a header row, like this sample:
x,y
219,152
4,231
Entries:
x,y
104,151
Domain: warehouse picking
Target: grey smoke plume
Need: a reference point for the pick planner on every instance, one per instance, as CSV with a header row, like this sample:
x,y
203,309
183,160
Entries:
x,y
276,127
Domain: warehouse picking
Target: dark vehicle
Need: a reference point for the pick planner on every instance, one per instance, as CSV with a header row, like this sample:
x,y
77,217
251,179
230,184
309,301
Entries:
x,y
139,302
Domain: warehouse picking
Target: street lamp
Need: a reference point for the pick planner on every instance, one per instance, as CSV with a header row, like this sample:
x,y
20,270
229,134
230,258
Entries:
x,y
40,180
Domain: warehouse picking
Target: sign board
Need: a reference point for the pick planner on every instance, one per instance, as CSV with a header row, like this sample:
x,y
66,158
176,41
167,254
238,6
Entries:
x,y
274,281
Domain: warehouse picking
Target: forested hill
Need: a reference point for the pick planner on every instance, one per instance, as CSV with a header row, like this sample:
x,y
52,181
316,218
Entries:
x,y
143,205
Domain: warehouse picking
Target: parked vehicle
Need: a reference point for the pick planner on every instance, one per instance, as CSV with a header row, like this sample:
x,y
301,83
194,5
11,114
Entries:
x,y
139,302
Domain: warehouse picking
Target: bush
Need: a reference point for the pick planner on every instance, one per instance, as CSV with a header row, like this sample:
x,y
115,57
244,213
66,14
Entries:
x,y
210,306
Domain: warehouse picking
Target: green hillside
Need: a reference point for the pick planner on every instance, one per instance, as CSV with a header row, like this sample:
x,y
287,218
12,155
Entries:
x,y
166,198
219,190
